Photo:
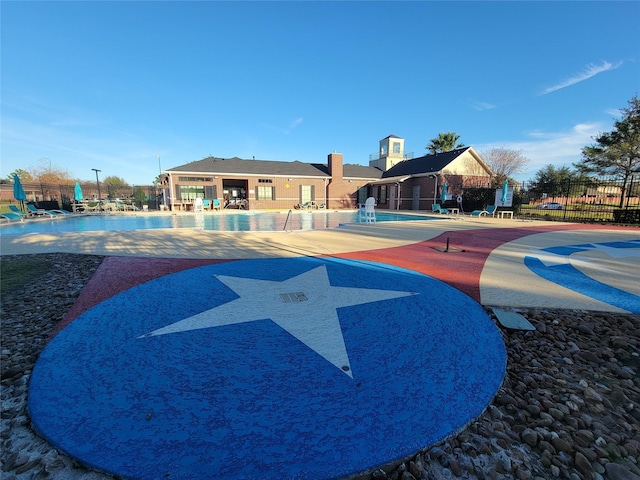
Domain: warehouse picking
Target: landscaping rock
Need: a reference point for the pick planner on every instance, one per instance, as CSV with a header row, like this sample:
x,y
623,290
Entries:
x,y
569,403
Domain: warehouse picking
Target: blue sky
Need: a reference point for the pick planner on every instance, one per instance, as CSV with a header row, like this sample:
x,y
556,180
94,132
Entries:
x,y
112,85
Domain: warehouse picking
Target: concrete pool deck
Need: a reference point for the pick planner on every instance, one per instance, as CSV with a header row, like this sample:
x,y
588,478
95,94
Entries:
x,y
193,354
485,255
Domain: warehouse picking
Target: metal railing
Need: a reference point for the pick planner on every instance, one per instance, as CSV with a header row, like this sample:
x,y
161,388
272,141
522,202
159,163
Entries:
x,y
592,200
64,194
377,156
287,221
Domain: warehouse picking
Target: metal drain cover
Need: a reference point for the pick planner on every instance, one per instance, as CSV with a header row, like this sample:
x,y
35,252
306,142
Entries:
x,y
294,297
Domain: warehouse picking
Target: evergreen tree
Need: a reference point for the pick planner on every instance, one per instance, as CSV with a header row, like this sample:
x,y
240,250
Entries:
x,y
617,153
444,142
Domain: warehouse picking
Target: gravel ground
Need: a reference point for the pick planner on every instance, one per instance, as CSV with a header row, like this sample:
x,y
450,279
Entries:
x,y
569,406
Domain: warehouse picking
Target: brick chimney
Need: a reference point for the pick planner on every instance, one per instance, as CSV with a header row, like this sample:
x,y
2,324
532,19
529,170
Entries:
x,y
335,166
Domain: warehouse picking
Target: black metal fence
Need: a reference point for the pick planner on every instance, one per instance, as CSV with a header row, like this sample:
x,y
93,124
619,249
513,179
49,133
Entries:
x,y
47,194
587,200
591,200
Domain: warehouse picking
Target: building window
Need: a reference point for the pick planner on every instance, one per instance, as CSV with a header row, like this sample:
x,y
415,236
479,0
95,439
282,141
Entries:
x,y
383,194
195,179
306,194
265,180
363,193
190,192
265,193
211,191
396,147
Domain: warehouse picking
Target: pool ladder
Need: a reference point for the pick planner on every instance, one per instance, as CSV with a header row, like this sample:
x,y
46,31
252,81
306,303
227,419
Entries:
x,y
287,221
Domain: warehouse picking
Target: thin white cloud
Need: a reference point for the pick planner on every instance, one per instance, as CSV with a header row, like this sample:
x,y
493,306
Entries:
x,y
615,113
591,70
542,148
295,123
77,152
480,106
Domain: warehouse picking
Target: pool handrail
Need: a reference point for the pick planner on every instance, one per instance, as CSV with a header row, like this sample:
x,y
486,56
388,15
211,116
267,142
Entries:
x,y
286,221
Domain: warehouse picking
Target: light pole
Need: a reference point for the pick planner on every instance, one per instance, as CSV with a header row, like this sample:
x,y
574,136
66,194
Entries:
x,y
435,188
97,182
164,202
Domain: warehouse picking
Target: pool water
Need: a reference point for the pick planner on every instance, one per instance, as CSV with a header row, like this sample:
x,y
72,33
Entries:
x,y
239,222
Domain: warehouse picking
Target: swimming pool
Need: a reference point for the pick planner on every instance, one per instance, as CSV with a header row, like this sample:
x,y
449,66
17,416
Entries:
x,y
239,222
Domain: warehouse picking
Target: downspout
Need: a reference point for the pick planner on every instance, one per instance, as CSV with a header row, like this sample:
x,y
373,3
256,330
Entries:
x,y
171,191
398,199
326,203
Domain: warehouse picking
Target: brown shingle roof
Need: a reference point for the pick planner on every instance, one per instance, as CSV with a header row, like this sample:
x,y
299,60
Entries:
x,y
427,164
239,166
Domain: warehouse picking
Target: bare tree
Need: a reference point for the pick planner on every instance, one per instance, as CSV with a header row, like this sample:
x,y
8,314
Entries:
x,y
46,172
504,162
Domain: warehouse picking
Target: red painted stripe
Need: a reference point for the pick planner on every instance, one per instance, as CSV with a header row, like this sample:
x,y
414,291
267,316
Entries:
x,y
460,269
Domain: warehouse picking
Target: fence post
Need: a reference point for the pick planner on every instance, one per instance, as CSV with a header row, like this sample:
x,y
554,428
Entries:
x,y
566,199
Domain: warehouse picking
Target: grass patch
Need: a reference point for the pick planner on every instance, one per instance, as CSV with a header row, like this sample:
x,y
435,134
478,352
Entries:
x,y
15,273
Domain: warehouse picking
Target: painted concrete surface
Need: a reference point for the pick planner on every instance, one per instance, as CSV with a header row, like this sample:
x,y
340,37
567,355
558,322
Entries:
x,y
523,266
187,346
268,368
591,270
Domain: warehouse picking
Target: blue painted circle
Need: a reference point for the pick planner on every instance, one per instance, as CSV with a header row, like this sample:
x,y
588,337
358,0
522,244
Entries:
x,y
249,400
563,273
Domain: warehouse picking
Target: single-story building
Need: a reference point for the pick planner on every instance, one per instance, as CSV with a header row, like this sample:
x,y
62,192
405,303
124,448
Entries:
x,y
394,179
416,183
266,184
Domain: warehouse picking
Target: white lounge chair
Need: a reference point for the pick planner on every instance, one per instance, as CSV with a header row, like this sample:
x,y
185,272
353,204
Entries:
x,y
490,210
109,207
40,211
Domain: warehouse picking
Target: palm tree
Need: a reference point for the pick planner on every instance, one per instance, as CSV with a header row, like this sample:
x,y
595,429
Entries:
x,y
444,142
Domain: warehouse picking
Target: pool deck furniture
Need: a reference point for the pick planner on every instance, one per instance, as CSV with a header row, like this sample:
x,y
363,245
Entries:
x,y
110,207
16,211
10,216
126,206
40,211
436,208
86,206
505,213
490,210
239,204
367,211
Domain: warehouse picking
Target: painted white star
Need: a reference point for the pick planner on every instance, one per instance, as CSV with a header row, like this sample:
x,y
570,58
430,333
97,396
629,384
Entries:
x,y
305,306
549,259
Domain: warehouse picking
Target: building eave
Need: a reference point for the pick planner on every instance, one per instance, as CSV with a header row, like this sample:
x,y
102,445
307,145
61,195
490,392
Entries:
x,y
398,179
